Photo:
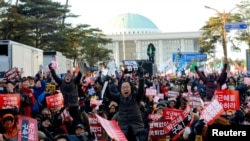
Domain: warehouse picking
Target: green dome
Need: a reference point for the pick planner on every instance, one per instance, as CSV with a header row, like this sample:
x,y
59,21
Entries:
x,y
131,24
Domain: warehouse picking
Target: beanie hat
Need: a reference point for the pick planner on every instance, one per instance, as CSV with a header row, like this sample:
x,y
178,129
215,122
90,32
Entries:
x,y
7,116
79,126
172,99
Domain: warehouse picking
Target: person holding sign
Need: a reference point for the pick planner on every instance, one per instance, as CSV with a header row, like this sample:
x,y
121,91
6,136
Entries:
x,y
27,98
129,113
69,88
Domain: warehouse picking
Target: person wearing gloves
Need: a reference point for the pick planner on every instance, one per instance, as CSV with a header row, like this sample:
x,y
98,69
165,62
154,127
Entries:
x,y
69,89
129,114
213,82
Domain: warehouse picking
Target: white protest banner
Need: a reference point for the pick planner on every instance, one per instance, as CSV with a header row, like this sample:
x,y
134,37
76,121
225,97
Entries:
x,y
211,111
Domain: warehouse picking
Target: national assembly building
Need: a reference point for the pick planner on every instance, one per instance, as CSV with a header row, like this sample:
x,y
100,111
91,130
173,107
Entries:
x,y
132,33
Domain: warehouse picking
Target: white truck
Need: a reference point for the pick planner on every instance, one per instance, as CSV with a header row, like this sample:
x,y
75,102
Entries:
x,y
26,59
63,63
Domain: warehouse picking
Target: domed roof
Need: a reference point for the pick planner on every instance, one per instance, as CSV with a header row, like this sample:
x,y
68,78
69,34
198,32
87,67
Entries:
x,y
130,24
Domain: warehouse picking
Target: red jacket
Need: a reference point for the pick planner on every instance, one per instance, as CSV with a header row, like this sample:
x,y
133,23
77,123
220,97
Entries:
x,y
27,107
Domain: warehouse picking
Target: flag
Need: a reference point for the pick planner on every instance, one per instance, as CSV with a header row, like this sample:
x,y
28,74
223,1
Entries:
x,y
192,68
165,66
219,66
237,67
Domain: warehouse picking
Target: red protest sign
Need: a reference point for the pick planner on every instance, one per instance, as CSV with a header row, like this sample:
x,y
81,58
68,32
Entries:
x,y
55,101
95,126
8,101
156,124
12,73
229,99
213,110
151,92
156,129
28,130
112,129
176,127
171,113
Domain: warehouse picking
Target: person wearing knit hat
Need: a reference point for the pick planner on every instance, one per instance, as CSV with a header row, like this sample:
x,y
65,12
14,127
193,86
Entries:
x,y
9,124
80,133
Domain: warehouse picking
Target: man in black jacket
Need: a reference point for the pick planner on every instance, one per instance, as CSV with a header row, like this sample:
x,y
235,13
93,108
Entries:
x,y
69,89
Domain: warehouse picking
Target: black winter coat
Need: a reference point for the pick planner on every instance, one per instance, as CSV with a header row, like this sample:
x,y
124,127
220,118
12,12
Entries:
x,y
69,90
129,113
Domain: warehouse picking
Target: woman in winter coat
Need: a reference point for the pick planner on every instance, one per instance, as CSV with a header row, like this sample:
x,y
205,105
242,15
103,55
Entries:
x,y
213,82
129,113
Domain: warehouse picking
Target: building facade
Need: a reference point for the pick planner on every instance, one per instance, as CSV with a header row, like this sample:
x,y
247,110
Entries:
x,y
131,34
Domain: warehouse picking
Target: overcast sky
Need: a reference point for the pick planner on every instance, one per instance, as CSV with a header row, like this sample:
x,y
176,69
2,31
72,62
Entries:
x,y
168,15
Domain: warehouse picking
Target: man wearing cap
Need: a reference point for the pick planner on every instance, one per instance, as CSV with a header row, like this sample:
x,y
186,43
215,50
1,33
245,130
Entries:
x,y
80,134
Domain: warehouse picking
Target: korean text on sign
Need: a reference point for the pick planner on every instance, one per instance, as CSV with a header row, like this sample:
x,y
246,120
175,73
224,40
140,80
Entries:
x,y
211,111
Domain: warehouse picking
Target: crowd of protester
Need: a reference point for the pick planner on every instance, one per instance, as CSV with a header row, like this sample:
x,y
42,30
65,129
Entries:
x,y
125,100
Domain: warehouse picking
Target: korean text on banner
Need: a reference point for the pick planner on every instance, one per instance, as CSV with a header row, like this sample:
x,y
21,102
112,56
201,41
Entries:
x,y
112,129
8,101
28,131
211,112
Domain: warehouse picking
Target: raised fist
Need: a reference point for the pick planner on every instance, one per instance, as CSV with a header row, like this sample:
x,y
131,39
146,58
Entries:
x,y
50,66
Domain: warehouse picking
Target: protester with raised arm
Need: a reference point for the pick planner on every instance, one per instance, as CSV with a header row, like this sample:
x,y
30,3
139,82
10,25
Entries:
x,y
129,113
212,82
69,89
